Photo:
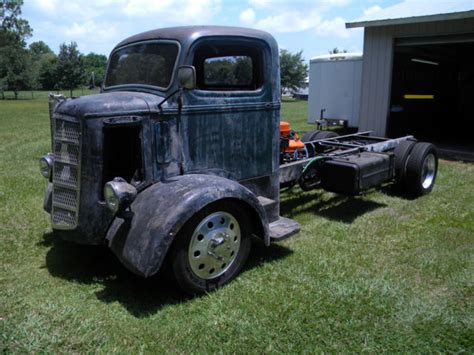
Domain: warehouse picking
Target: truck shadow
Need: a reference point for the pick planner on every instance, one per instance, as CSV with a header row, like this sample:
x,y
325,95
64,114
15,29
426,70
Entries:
x,y
140,297
338,208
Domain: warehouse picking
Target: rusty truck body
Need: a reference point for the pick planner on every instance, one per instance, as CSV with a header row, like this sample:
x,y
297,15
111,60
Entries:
x,y
180,158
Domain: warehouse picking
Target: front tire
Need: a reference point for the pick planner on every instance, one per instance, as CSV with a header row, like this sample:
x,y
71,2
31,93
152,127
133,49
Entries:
x,y
212,247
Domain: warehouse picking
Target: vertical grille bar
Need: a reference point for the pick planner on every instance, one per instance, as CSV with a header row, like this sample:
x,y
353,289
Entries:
x,y
66,172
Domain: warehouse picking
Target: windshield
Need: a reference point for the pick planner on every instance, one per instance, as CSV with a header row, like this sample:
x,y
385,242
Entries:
x,y
148,63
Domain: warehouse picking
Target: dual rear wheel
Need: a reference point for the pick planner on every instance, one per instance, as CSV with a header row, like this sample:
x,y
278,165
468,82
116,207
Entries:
x,y
416,167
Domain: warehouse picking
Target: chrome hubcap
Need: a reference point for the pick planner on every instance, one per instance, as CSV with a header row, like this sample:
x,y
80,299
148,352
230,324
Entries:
x,y
428,171
214,245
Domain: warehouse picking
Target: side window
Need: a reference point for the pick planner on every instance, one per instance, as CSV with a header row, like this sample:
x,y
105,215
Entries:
x,y
231,71
224,67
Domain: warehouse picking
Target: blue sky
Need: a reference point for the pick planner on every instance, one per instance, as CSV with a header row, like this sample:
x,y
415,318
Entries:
x,y
312,26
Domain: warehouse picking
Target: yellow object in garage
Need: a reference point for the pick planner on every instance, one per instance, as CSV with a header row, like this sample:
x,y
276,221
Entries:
x,y
418,97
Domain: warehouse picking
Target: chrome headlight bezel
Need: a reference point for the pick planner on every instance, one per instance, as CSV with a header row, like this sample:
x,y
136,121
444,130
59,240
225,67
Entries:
x,y
119,194
46,165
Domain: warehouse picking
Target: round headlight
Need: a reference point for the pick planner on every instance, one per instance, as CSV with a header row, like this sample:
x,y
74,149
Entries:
x,y
119,194
111,198
46,165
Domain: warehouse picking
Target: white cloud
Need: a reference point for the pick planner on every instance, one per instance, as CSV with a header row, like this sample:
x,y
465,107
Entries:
x,y
247,16
410,8
335,27
288,22
91,31
300,5
46,5
184,12
283,16
372,10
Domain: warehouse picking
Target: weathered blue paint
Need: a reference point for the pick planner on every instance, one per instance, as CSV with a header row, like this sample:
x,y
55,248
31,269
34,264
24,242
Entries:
x,y
216,145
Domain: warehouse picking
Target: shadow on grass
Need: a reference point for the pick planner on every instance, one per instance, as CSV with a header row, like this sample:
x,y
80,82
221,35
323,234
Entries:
x,y
141,297
338,208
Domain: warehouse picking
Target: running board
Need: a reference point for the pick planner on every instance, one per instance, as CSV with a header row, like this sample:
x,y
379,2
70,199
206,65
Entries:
x,y
283,228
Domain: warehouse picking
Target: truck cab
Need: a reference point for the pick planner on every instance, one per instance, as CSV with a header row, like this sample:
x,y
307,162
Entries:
x,y
181,146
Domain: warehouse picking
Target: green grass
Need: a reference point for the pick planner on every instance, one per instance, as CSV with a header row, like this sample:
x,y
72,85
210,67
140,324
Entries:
x,y
372,273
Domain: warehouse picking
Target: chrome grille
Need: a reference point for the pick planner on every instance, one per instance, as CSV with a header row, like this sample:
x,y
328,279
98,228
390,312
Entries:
x,y
66,172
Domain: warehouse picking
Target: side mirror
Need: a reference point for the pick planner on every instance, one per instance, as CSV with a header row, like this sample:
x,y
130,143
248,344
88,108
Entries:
x,y
187,77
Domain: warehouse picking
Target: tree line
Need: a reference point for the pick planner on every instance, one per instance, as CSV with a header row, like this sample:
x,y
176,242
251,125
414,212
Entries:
x,y
37,67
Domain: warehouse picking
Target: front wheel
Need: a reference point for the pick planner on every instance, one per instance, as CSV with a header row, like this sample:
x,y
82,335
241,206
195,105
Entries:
x,y
211,248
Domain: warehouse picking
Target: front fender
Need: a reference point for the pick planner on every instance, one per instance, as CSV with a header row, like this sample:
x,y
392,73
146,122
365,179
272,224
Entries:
x,y
142,238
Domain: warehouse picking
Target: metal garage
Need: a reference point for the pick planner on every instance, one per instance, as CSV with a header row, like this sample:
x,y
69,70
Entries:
x,y
418,77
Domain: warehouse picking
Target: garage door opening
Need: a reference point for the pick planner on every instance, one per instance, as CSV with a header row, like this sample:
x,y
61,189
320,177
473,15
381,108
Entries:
x,y
432,94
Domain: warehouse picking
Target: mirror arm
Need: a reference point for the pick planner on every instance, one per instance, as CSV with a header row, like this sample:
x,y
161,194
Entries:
x,y
168,97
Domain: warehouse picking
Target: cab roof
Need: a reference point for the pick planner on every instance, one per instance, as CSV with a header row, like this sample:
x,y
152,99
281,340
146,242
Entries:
x,y
188,34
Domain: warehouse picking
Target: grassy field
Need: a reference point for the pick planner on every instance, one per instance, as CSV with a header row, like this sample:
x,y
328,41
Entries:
x,y
372,273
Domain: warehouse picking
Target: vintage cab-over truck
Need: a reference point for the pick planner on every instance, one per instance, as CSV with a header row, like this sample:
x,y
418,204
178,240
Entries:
x,y
181,157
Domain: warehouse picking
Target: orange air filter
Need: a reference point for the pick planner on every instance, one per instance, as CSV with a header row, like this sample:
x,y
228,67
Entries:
x,y
284,128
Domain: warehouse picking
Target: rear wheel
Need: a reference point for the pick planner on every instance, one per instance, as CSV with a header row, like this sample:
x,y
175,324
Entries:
x,y
211,248
308,136
325,135
402,153
421,169
315,135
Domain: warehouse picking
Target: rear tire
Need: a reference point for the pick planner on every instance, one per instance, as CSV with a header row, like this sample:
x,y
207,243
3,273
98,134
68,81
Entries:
x,y
421,169
308,136
212,248
402,153
325,135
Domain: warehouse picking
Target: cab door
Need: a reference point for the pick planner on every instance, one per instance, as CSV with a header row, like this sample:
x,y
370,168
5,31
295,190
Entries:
x,y
230,121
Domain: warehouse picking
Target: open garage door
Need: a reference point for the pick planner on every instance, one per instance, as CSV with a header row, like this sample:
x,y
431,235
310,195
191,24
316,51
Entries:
x,y
432,94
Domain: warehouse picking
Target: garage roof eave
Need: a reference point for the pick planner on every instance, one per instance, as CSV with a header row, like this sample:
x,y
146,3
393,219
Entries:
x,y
413,19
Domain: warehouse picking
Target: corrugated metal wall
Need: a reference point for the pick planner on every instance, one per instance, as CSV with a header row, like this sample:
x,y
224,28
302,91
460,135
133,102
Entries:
x,y
377,65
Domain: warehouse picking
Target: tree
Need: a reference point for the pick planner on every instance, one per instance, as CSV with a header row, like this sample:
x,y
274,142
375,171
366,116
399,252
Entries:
x,y
40,54
39,49
94,65
13,29
15,69
336,50
293,70
70,67
47,73
15,60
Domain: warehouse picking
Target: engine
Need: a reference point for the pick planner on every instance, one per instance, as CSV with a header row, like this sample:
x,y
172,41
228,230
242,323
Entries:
x,y
291,146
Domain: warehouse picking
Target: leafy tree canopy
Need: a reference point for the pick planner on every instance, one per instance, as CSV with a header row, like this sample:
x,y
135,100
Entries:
x,y
39,49
70,66
95,65
15,60
293,70
47,72
12,27
336,50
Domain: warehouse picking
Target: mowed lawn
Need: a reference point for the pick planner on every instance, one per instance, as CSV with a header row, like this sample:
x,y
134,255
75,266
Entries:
x,y
371,273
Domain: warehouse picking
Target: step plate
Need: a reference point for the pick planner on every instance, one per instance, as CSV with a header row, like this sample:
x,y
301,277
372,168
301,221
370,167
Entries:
x,y
283,228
